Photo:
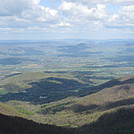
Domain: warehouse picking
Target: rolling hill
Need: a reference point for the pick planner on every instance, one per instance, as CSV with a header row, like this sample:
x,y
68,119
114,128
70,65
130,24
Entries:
x,y
117,91
76,112
107,110
40,87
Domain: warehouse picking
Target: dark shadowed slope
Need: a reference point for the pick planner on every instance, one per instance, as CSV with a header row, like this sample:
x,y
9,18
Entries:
x,y
119,122
17,125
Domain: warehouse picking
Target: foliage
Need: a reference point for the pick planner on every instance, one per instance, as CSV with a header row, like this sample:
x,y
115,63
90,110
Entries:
x,y
16,125
81,113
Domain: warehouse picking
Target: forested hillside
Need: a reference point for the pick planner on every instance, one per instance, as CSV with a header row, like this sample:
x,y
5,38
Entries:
x,y
106,108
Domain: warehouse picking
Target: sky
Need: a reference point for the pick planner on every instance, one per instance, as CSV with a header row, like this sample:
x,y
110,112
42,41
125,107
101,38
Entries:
x,y
66,19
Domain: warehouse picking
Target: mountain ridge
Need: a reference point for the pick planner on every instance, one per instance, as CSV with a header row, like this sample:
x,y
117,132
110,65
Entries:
x,y
113,99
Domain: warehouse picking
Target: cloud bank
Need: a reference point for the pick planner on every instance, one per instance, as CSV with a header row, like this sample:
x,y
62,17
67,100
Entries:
x,y
71,16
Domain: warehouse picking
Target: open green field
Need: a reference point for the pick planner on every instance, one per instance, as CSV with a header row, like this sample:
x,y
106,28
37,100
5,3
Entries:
x,y
99,61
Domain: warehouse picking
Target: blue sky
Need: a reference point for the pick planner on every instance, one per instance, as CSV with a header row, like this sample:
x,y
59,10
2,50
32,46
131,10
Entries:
x,y
61,19
50,3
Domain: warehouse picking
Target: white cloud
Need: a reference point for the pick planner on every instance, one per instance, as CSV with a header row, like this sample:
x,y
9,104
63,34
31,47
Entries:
x,y
90,2
16,7
72,15
25,13
64,24
80,15
126,16
40,13
124,19
69,8
124,2
127,13
100,11
79,11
